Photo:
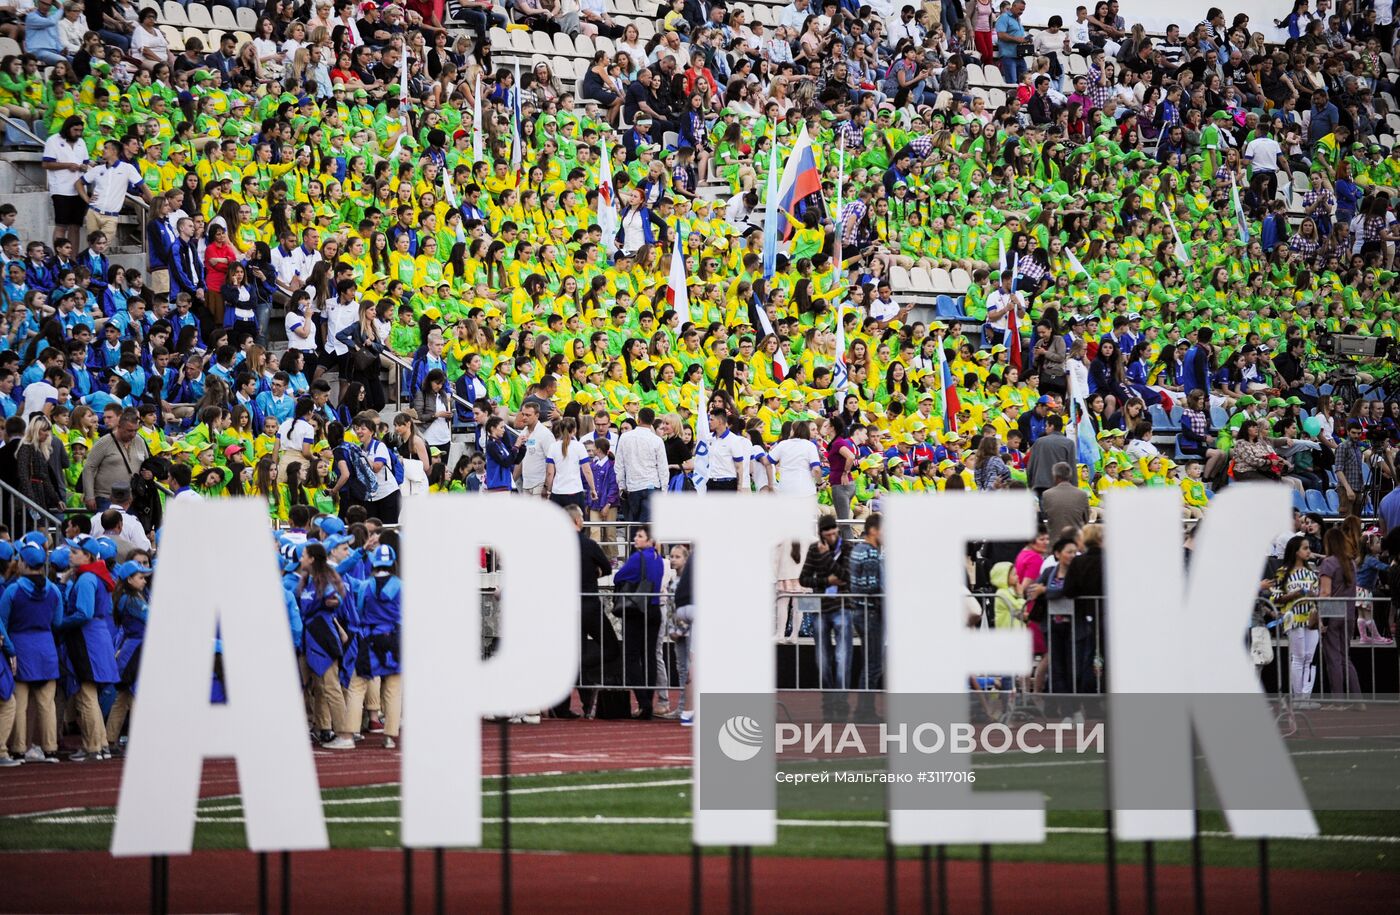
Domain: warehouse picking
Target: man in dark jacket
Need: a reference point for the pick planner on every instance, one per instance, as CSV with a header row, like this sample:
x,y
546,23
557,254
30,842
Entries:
x,y
1084,583
1050,449
826,572
599,647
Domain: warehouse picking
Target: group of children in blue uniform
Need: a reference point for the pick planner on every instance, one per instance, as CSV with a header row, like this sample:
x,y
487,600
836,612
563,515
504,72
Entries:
x,y
72,623
73,620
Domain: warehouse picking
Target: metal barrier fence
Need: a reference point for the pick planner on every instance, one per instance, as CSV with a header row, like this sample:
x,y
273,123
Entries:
x,y
827,642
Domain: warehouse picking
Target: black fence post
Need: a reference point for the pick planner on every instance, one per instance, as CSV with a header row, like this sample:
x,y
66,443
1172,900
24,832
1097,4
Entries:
x,y
408,881
262,883
696,880
286,883
506,901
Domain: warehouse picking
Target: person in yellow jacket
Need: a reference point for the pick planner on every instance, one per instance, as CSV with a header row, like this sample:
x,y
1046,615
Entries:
x,y
1193,490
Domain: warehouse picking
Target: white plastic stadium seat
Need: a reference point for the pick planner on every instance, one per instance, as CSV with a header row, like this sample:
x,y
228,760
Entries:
x,y
920,281
942,282
519,43
9,46
174,14
605,45
199,15
173,36
247,19
500,38
899,279
193,32
996,98
961,280
541,43
224,18
645,28
585,47
564,45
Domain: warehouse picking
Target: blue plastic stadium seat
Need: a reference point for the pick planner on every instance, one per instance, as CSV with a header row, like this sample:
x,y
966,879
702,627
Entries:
x,y
1160,420
1310,390
1299,502
945,307
1334,506
1218,417
1315,501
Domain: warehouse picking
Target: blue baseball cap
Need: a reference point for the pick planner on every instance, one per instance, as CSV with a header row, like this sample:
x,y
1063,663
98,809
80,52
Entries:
x,y
336,540
7,551
129,568
106,548
35,537
85,543
383,557
59,558
32,555
330,524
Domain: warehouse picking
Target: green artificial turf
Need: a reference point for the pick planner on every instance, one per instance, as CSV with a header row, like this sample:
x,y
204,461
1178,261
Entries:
x,y
368,818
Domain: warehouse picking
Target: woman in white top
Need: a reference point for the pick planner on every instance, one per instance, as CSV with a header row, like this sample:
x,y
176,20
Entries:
x,y
759,468
631,43
301,329
148,42
798,462
568,468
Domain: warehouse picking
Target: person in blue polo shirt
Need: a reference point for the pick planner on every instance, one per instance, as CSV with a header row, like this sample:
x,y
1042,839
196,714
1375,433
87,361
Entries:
x,y
131,610
380,602
30,608
87,634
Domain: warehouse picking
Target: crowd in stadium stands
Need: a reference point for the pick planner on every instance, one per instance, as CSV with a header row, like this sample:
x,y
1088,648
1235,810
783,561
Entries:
x,y
383,258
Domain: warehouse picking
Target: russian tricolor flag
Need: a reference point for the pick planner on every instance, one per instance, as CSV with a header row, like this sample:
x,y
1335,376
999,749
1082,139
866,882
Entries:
x,y
800,180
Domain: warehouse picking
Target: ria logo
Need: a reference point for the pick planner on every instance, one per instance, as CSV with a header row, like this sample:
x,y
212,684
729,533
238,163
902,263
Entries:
x,y
740,738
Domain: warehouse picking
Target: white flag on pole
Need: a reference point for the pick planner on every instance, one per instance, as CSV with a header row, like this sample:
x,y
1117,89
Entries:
x,y
676,294
476,122
700,467
607,198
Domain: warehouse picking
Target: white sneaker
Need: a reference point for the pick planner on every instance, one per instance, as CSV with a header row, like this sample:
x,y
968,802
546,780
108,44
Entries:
x,y
104,754
339,743
81,756
34,754
533,718
9,762
389,743
687,719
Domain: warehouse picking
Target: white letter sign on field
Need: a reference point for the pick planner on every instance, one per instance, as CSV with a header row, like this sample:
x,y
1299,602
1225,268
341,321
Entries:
x,y
174,728
447,685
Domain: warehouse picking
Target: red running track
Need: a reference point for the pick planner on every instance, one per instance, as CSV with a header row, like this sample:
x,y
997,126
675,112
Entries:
x,y
551,746
335,882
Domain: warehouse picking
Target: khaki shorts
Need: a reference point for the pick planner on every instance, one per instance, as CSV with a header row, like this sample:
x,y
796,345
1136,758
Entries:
x,y
158,281
101,222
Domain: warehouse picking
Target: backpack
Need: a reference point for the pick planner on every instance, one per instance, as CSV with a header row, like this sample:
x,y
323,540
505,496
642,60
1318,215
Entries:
x,y
362,483
395,465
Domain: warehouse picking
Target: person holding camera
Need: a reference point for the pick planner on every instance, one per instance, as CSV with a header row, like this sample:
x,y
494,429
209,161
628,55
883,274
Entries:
x,y
1013,44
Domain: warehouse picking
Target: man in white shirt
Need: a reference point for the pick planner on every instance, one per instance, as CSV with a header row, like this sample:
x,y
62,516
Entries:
x,y
105,188
729,452
284,264
1263,154
538,442
342,312
65,161
796,14
739,208
1003,305
904,27
641,467
602,428
307,255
